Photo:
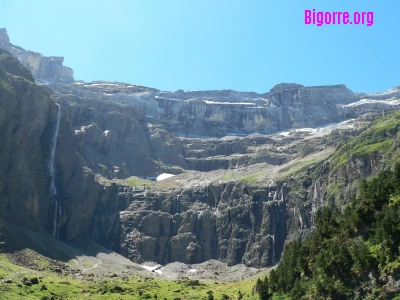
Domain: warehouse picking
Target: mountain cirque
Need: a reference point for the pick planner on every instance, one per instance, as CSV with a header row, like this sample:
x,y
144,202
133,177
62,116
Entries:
x,y
239,193
227,112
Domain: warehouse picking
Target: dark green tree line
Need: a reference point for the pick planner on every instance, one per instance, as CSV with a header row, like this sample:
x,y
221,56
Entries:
x,y
347,249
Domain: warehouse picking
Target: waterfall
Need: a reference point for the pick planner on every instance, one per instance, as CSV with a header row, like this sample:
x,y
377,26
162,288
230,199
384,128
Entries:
x,y
271,194
53,189
314,205
269,191
273,249
55,219
177,204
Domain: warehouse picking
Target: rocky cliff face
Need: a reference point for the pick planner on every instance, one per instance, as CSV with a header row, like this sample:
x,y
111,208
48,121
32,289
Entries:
x,y
116,141
28,118
232,222
238,221
235,199
27,123
219,113
26,114
43,68
334,182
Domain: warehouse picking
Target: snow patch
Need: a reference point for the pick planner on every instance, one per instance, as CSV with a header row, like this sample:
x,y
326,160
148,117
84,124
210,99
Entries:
x,y
164,176
368,101
348,124
229,103
153,268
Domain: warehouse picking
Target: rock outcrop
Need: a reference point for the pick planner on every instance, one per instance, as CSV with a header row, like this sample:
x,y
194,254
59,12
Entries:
x,y
26,114
233,223
111,131
43,68
27,122
226,112
116,141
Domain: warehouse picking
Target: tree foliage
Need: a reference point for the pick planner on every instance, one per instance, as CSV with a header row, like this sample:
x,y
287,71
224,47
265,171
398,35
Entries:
x,y
347,249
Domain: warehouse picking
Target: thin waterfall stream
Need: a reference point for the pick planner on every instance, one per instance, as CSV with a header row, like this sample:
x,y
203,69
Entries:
x,y
273,250
53,189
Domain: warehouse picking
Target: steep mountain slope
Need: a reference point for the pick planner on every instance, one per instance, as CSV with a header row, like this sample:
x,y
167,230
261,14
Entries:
x,y
227,112
28,122
335,181
247,219
115,141
236,199
26,114
351,255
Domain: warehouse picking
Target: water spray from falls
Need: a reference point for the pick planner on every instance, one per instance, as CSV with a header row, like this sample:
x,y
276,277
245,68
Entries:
x,y
53,189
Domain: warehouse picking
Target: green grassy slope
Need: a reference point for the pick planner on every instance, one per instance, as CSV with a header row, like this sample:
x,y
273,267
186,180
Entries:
x,y
380,138
54,286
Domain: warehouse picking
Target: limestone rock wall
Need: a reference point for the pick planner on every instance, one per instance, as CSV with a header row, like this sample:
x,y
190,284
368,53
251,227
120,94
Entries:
x,y
27,123
233,223
43,68
226,112
26,117
100,134
116,141
47,69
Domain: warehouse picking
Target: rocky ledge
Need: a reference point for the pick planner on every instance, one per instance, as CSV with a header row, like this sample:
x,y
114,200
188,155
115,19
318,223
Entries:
x,y
226,112
43,68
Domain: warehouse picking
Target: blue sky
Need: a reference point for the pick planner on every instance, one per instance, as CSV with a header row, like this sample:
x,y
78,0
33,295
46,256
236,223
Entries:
x,y
246,45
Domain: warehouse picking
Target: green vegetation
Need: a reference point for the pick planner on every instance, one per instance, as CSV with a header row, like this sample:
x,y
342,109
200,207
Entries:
x,y
333,189
352,253
137,181
303,164
251,178
228,176
3,82
26,274
378,139
14,284
295,168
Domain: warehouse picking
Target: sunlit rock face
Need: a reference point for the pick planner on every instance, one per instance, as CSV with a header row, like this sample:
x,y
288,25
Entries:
x,y
226,112
110,132
4,39
285,106
215,113
43,68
